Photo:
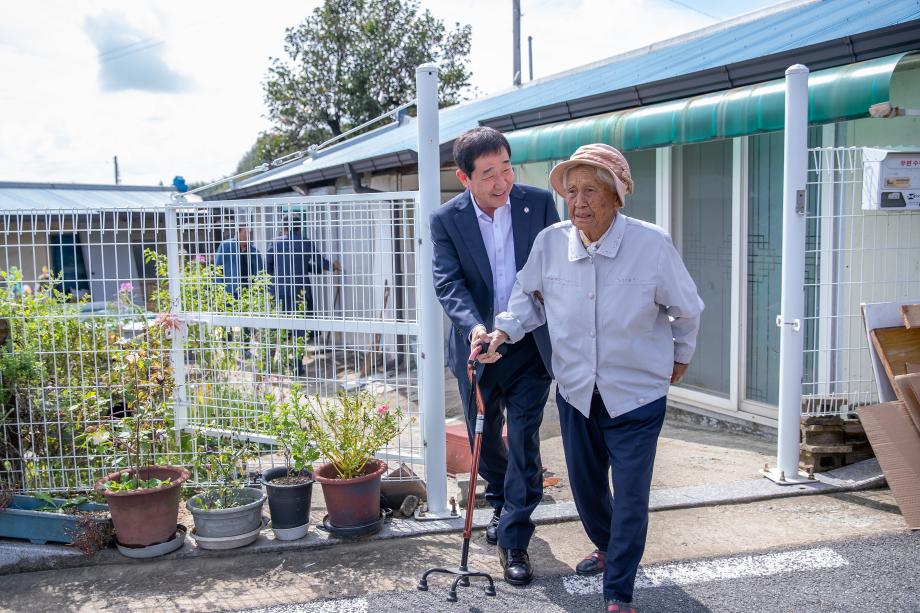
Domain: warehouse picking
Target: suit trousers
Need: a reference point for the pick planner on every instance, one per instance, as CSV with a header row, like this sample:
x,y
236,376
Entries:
x,y
616,523
513,474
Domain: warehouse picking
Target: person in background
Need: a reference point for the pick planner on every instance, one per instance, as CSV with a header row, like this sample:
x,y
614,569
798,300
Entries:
x,y
290,260
238,260
481,238
623,316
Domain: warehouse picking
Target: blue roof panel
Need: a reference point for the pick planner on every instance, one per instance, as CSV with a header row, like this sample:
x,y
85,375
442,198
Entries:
x,y
42,197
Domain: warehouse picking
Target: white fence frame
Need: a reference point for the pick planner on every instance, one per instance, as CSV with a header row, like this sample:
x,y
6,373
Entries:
x,y
177,252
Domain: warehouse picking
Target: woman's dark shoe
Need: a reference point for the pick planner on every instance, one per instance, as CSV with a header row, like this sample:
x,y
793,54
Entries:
x,y
492,528
516,564
593,564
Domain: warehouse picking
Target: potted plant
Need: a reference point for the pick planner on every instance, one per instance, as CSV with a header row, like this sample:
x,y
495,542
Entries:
x,y
144,498
229,515
42,518
348,431
290,487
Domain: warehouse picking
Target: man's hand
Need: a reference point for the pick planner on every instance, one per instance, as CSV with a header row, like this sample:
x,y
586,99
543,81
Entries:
x,y
478,335
496,339
336,266
678,373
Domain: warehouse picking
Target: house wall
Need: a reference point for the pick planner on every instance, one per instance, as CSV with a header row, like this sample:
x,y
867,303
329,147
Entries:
x,y
111,246
408,182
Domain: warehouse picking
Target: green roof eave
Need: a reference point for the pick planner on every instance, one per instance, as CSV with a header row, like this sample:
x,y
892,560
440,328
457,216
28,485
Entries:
x,y
834,94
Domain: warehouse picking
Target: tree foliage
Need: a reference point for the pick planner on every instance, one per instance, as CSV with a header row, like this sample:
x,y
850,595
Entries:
x,y
351,61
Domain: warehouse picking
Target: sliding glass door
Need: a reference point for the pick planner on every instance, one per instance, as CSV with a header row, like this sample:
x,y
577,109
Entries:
x,y
705,198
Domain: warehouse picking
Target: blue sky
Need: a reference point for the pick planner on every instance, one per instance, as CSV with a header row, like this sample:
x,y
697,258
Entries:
x,y
175,88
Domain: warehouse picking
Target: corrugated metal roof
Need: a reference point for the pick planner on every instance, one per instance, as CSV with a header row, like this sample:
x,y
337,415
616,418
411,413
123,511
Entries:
x,y
834,94
31,197
776,30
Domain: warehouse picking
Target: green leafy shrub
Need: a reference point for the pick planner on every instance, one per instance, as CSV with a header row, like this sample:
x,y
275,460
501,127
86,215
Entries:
x,y
349,430
286,422
226,467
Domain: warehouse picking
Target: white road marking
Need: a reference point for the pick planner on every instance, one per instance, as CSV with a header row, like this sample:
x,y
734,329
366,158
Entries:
x,y
688,573
345,605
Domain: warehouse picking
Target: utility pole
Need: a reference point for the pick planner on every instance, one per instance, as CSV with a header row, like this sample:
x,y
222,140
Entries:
x,y
117,176
516,54
530,55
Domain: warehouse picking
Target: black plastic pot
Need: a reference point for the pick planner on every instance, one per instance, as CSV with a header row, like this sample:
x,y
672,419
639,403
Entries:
x,y
289,504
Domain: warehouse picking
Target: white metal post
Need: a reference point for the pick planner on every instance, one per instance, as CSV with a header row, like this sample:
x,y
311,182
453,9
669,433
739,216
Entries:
x,y
174,268
792,304
431,330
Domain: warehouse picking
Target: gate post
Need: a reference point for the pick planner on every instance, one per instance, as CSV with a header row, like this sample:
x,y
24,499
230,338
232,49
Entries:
x,y
177,353
430,319
792,305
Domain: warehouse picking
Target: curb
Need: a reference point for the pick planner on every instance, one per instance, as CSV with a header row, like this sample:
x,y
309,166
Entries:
x,y
19,556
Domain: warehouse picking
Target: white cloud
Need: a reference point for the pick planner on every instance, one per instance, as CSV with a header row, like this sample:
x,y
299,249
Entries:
x,y
129,57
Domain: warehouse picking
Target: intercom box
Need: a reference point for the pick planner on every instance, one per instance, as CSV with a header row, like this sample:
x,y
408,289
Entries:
x,y
891,180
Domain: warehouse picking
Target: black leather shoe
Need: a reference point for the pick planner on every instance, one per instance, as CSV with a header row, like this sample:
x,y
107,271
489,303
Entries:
x,y
492,529
516,563
593,564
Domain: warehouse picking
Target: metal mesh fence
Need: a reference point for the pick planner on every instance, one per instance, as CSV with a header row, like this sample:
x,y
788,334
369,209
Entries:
x,y
853,256
174,332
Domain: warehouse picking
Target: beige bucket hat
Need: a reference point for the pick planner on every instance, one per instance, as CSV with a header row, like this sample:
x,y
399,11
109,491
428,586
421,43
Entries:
x,y
599,155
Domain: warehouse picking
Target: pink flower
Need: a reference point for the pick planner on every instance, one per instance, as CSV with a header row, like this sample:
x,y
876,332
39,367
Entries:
x,y
201,259
383,409
168,321
126,288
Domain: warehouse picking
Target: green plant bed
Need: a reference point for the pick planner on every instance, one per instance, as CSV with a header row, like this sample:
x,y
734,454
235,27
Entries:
x,y
33,519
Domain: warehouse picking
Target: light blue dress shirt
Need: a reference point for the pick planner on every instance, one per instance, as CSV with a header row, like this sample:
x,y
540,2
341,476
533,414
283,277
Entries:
x,y
618,317
499,243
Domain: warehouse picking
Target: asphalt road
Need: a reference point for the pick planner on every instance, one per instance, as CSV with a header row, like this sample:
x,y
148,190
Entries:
x,y
879,574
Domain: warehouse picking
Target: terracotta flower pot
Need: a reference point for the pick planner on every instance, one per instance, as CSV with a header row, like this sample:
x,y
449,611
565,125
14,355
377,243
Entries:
x,y
352,502
149,516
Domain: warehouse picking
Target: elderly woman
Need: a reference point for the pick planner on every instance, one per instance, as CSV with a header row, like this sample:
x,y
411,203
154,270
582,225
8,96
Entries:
x,y
623,316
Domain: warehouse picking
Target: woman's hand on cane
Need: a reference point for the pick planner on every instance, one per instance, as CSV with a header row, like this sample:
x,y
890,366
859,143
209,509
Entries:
x,y
496,339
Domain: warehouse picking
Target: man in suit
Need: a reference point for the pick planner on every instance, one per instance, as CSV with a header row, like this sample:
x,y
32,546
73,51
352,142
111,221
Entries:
x,y
290,259
481,239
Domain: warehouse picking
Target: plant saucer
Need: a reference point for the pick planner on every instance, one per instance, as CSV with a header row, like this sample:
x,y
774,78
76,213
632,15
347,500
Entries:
x,y
228,542
152,551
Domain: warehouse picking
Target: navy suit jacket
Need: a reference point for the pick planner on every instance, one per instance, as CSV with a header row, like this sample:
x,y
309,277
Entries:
x,y
290,260
463,276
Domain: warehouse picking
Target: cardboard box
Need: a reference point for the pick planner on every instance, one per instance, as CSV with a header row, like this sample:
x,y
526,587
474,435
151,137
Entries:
x,y
896,442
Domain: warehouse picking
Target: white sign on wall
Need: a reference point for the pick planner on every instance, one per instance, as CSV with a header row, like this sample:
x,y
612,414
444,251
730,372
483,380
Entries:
x,y
891,180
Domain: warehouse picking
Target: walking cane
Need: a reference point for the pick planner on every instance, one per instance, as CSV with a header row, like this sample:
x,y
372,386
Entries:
x,y
462,572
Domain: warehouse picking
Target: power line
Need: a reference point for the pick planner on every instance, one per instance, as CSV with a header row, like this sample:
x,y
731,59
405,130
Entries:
x,y
135,47
141,45
694,9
